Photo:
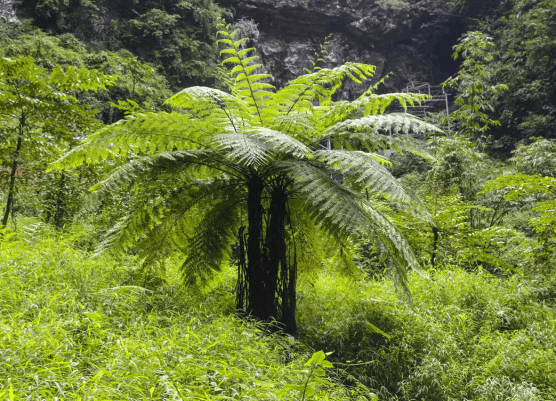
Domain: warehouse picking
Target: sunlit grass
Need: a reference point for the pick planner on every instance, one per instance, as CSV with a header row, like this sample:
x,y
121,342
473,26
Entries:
x,y
75,327
468,335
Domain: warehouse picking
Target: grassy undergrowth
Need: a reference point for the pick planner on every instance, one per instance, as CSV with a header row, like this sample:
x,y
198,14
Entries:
x,y
469,336
73,327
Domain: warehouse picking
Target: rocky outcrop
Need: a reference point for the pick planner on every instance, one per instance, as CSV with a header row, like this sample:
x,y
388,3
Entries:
x,y
7,10
412,39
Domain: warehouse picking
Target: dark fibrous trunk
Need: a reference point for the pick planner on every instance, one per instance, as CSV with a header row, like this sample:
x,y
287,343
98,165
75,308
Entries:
x,y
266,271
253,286
13,173
283,269
59,215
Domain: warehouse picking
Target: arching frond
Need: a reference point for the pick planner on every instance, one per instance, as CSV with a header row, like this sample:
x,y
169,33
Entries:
x,y
364,171
367,132
345,214
130,229
155,222
177,229
334,207
299,125
155,132
320,86
214,234
245,149
257,146
394,123
392,246
162,165
282,144
250,81
372,104
144,133
202,102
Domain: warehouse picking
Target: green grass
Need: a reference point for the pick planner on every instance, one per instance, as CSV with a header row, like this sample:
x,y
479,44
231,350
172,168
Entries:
x,y
74,327
469,336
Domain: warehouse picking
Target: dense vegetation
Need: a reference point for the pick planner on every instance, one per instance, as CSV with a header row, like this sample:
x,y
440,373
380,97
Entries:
x,y
424,265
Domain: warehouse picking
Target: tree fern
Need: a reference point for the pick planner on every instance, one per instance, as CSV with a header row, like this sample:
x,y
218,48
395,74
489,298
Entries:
x,y
246,166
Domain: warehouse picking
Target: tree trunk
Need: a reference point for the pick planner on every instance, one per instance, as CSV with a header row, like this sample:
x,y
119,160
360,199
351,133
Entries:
x,y
266,275
275,246
282,272
58,216
255,261
13,173
434,245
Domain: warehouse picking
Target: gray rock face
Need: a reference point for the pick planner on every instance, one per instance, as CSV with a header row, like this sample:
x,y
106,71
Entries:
x,y
7,10
412,39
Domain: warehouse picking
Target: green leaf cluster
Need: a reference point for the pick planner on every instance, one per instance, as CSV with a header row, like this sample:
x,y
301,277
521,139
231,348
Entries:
x,y
475,92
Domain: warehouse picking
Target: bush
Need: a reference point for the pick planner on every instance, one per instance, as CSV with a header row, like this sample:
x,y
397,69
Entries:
x,y
467,335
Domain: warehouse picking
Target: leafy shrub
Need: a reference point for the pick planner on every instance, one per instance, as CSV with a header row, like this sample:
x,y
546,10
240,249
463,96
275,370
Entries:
x,y
467,335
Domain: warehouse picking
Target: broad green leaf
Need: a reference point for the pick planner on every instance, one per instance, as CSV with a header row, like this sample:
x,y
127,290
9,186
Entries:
x,y
316,358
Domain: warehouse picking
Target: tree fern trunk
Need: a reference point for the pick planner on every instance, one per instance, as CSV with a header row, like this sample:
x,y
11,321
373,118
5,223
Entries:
x,y
255,260
13,173
282,271
276,248
270,278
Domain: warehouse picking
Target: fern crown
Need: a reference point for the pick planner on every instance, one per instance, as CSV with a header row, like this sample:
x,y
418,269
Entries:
x,y
190,166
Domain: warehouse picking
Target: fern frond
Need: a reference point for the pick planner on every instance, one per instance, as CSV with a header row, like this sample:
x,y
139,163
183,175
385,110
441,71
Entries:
x,y
320,85
132,226
202,102
145,133
280,143
211,245
249,85
299,125
394,123
370,104
366,171
175,231
376,104
256,146
396,247
332,206
161,165
345,214
245,149
366,132
156,222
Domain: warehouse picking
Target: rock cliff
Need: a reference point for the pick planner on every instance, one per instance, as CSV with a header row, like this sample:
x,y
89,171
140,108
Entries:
x,y
7,10
412,39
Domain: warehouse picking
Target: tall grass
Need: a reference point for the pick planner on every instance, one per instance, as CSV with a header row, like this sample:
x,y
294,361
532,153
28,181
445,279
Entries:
x,y
468,336
74,327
